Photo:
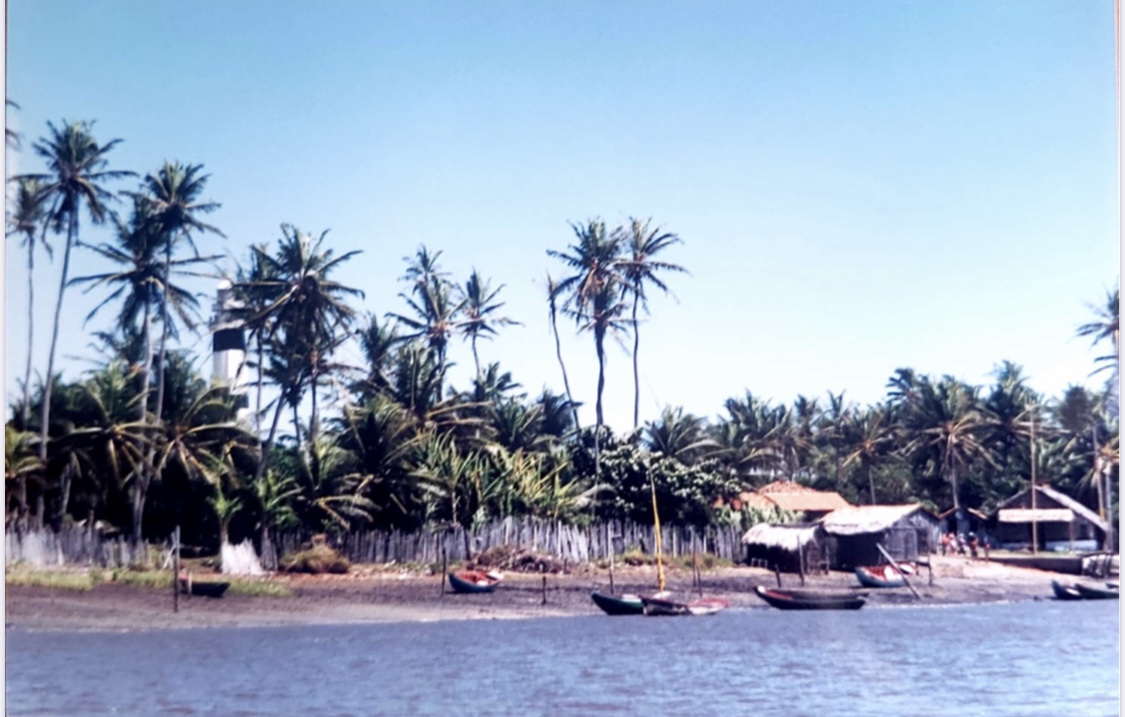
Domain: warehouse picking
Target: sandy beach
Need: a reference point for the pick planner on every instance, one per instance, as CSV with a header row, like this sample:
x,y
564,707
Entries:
x,y
368,595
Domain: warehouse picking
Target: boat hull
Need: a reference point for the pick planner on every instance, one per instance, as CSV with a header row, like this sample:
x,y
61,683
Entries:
x,y
879,577
662,607
618,605
790,600
472,582
1089,592
203,589
1065,592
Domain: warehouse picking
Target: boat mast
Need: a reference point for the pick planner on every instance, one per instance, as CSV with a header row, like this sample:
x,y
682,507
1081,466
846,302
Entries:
x,y
659,539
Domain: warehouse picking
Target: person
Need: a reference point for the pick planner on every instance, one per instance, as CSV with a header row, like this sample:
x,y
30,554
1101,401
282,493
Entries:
x,y
973,545
946,542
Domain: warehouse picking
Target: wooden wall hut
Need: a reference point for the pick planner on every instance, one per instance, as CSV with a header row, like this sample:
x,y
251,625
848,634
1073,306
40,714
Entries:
x,y
784,546
963,521
1062,523
904,531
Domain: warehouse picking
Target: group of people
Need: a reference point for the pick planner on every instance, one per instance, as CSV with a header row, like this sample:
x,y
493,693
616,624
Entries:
x,y
958,543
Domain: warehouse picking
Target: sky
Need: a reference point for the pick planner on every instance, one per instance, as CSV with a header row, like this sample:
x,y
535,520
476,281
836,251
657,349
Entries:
x,y
858,186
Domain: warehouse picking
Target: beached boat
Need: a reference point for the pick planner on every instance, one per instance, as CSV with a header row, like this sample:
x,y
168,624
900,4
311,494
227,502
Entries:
x,y
618,604
1092,592
203,588
474,581
811,599
1065,592
665,607
880,576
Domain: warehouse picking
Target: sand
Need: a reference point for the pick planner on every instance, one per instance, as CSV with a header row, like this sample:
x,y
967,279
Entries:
x,y
370,595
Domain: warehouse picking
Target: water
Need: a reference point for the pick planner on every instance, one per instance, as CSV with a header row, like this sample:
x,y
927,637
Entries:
x,y
1026,659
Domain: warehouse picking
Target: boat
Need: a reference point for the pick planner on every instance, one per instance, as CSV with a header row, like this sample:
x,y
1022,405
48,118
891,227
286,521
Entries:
x,y
1065,592
666,607
1091,592
203,588
811,600
474,581
618,604
880,576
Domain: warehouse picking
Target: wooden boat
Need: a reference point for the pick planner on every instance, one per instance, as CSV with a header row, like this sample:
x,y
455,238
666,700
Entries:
x,y
880,576
618,604
1065,592
810,600
666,607
473,581
1091,592
203,588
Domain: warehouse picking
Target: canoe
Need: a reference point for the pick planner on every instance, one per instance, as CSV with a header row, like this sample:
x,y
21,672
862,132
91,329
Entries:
x,y
809,600
618,604
665,607
1090,592
1065,592
473,581
203,588
880,576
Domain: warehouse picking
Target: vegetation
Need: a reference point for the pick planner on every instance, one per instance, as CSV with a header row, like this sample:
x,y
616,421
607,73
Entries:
x,y
141,442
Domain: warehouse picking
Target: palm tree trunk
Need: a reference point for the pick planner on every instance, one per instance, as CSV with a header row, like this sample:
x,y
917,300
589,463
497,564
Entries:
x,y
953,481
71,233
598,344
25,413
476,359
163,334
269,440
636,372
562,365
261,381
871,483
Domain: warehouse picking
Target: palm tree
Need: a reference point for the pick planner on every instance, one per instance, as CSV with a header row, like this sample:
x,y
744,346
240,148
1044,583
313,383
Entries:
x,y
143,281
11,137
593,291
552,303
478,306
171,203
437,311
26,219
302,314
1106,325
948,428
640,270
872,438
76,173
679,435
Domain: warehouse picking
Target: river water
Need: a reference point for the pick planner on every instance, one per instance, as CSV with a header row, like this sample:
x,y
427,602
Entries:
x,y
1025,659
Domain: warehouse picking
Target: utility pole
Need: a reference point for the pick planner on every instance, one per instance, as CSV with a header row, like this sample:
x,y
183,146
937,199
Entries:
x,y
1034,519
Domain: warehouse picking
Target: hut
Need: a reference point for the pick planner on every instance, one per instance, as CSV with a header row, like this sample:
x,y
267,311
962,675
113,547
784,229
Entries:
x,y
1061,523
809,504
853,534
790,547
965,521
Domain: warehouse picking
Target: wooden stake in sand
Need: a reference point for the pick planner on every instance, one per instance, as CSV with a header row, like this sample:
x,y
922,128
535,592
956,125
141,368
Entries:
x,y
900,571
176,570
609,539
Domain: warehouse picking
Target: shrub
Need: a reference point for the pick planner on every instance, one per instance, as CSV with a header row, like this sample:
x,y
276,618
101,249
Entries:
x,y
318,557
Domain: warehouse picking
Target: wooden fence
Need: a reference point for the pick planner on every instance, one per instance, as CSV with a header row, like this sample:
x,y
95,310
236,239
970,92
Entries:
x,y
574,544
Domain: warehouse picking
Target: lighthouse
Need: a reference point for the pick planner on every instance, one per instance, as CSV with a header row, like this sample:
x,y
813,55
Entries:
x,y
228,345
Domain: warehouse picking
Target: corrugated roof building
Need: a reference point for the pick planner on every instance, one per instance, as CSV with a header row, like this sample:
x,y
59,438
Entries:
x,y
904,531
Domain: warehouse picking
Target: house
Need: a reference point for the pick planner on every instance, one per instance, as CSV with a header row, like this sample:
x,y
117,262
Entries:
x,y
1060,522
965,521
784,546
809,504
853,534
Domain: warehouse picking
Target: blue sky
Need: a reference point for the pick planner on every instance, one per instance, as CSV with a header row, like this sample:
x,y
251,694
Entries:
x,y
859,186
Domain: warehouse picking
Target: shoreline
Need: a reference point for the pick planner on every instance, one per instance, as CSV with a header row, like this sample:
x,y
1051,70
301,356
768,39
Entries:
x,y
370,596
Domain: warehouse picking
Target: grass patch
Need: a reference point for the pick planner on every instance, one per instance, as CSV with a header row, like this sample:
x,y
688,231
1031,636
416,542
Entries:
x,y
152,579
259,588
57,580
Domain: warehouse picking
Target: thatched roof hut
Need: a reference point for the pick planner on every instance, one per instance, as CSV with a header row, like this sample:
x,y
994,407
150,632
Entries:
x,y
782,545
904,531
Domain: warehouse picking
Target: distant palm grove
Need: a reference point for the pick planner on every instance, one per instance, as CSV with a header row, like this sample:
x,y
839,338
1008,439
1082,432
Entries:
x,y
141,442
